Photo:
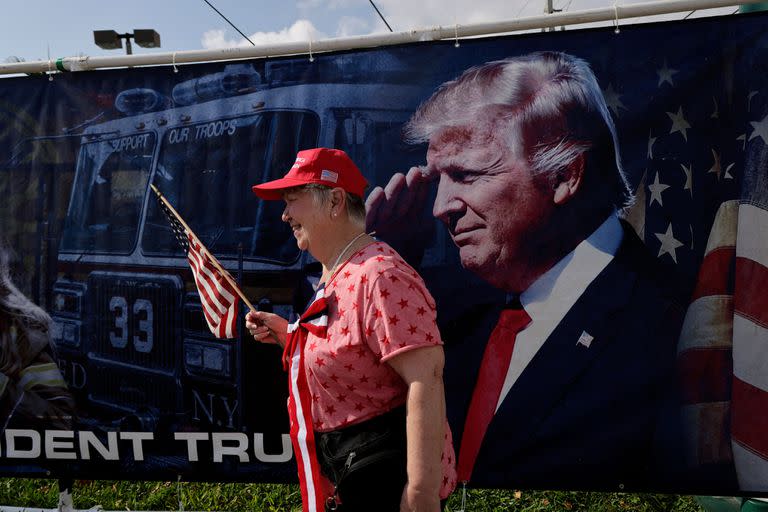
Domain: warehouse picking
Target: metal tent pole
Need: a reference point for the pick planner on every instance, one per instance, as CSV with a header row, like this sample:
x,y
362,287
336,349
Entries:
x,y
65,495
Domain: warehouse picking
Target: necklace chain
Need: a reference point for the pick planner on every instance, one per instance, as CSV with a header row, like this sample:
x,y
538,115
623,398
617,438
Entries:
x,y
343,251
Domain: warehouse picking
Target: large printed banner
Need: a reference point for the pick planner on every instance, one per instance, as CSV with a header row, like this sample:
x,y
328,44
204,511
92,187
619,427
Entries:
x,y
645,366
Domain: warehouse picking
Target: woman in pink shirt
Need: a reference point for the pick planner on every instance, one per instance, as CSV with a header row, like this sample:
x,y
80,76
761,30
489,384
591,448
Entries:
x,y
365,359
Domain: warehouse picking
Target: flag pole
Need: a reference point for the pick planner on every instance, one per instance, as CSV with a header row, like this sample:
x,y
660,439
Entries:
x,y
212,258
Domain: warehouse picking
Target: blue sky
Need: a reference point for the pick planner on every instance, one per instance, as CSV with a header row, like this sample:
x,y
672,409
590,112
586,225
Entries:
x,y
28,28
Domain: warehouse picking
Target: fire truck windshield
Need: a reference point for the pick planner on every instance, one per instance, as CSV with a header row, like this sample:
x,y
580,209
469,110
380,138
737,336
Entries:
x,y
206,171
104,213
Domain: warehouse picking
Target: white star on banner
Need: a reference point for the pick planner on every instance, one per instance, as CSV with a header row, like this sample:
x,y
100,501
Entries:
x,y
679,124
761,129
728,175
656,189
743,139
651,142
688,178
665,74
613,100
716,167
668,243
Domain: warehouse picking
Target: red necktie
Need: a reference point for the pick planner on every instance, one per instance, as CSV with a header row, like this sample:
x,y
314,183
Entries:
x,y
493,372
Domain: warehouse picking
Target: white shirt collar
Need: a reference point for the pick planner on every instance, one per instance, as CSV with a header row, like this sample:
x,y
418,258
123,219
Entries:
x,y
557,290
552,295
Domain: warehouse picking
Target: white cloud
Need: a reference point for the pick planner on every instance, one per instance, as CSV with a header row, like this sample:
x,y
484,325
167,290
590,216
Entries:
x,y
404,15
301,30
352,26
407,14
215,39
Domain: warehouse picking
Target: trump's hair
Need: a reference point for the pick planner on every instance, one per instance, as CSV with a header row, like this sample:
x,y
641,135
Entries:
x,y
552,110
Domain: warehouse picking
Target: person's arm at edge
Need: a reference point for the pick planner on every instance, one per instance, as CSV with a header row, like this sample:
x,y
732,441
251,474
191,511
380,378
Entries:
x,y
422,371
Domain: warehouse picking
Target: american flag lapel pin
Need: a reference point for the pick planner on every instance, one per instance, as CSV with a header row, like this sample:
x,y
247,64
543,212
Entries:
x,y
585,339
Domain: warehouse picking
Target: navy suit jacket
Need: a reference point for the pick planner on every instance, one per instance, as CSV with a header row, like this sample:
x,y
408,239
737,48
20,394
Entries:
x,y
597,417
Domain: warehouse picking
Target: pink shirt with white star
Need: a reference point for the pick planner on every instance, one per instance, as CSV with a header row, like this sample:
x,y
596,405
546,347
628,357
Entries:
x,y
378,307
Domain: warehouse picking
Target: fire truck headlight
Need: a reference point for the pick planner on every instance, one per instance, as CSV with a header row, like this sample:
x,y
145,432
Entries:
x,y
193,356
67,313
66,332
68,301
213,359
207,358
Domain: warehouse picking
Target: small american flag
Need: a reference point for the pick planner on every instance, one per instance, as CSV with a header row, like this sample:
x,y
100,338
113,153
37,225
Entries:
x,y
585,339
331,176
218,292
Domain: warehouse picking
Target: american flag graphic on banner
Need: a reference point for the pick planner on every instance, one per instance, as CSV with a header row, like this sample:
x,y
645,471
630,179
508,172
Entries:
x,y
702,208
217,289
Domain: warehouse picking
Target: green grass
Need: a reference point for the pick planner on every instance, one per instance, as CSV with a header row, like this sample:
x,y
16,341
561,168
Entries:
x,y
124,495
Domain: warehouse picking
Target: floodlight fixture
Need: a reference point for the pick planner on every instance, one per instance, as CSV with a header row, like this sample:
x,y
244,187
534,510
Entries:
x,y
111,40
107,39
146,37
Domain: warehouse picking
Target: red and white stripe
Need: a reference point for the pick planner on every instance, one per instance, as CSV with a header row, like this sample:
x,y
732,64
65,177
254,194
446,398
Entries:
x,y
314,487
706,345
217,295
750,350
723,350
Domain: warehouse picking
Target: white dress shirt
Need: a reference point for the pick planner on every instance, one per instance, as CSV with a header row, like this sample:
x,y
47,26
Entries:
x,y
553,294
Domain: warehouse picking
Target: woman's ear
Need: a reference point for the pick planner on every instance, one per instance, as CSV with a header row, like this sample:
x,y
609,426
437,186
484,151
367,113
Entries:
x,y
569,181
338,198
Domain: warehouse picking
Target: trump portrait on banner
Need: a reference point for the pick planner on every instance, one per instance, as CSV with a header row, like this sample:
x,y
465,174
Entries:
x,y
571,379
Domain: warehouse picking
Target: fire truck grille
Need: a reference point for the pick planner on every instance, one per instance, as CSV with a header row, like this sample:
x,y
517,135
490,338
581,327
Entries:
x,y
136,321
120,387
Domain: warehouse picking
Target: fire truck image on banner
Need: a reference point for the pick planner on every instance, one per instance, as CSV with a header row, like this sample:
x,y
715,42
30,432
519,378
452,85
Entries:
x,y
643,367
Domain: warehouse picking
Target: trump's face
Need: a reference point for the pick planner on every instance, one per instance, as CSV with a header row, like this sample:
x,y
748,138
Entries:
x,y
497,213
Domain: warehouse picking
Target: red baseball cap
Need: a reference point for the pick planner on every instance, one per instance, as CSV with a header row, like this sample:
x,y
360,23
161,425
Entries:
x,y
330,167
